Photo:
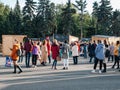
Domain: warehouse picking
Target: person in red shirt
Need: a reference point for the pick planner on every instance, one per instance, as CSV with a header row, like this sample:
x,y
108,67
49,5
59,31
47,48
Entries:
x,y
48,48
28,49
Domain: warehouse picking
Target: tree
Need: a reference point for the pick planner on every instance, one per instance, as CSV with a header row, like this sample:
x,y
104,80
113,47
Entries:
x,y
52,23
58,12
17,19
4,12
45,19
28,15
13,20
115,27
95,16
67,19
81,6
104,16
10,24
29,9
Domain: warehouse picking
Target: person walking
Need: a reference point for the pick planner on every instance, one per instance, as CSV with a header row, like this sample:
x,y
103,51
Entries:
x,y
65,55
15,57
116,53
75,53
99,56
55,53
28,49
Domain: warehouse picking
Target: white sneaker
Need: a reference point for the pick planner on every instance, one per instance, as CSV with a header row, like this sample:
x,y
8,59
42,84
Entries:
x,y
33,66
100,71
93,71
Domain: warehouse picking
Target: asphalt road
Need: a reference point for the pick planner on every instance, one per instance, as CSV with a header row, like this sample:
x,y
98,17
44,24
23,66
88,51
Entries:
x,y
78,77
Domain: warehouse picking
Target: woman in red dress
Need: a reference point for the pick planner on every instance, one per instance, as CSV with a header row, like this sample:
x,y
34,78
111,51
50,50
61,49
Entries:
x,y
55,53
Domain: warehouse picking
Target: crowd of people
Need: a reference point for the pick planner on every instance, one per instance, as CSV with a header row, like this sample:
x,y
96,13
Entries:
x,y
47,50
102,53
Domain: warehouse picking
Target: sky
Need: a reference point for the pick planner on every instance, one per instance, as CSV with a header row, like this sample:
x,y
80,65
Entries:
x,y
114,3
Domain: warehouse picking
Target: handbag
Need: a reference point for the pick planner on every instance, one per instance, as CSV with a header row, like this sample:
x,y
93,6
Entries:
x,y
58,58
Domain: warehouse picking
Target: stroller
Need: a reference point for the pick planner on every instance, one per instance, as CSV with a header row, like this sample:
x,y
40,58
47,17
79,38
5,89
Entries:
x,y
8,62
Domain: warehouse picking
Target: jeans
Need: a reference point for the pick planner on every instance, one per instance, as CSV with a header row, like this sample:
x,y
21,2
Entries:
x,y
85,54
75,59
54,64
27,59
92,57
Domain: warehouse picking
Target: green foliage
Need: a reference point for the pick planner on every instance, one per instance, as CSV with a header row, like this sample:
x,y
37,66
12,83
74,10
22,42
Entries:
x,y
81,6
103,13
66,23
115,27
29,9
38,19
4,12
28,16
45,21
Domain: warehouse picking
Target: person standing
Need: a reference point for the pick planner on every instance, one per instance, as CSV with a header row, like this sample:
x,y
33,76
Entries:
x,y
40,52
55,53
107,54
111,47
35,52
91,50
44,53
99,56
116,55
28,49
65,55
75,53
85,50
15,57
60,48
48,48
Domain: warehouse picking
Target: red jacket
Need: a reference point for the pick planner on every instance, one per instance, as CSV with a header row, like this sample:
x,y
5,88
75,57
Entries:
x,y
28,47
55,51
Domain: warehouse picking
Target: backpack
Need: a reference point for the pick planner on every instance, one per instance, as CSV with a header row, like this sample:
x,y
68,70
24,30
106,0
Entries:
x,y
64,49
107,53
19,52
8,62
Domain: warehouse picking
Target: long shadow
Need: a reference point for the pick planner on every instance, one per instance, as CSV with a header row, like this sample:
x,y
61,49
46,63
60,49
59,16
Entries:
x,y
52,75
11,72
57,78
46,76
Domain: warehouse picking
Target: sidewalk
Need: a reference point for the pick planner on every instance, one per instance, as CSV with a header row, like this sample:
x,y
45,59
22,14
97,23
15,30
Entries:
x,y
39,76
83,64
